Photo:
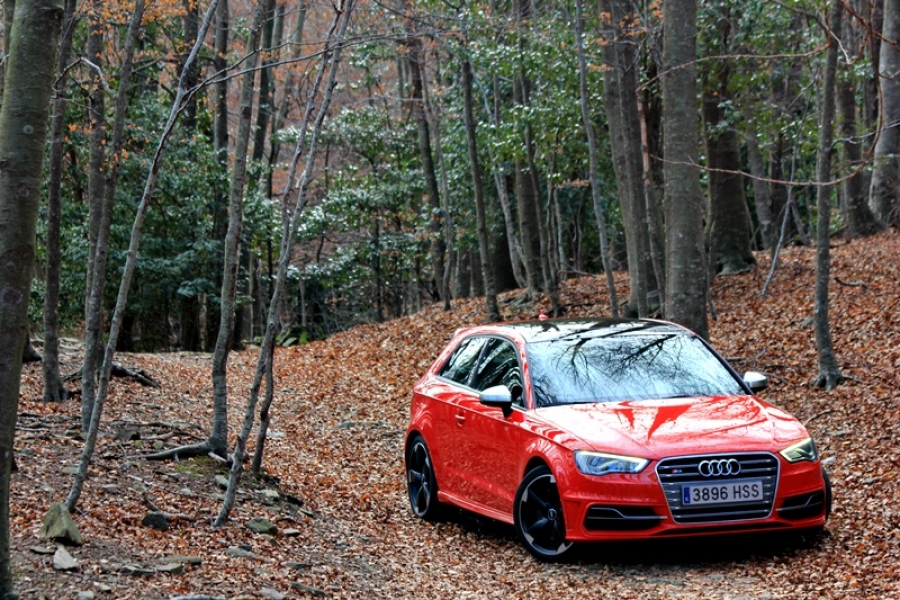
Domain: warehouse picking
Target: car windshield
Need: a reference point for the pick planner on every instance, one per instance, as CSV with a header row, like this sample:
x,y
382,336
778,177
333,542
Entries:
x,y
639,366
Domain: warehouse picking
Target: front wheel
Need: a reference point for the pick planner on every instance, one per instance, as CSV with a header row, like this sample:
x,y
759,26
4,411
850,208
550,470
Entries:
x,y
421,483
538,516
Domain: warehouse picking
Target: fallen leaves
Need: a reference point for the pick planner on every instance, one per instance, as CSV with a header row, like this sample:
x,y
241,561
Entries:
x,y
339,417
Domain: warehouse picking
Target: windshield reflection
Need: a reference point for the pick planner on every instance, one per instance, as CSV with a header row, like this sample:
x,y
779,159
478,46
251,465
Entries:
x,y
638,366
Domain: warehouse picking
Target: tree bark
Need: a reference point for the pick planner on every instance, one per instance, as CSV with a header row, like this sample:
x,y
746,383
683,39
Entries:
x,y
490,291
218,438
829,373
621,104
857,214
438,248
599,210
686,291
729,219
884,192
30,69
96,264
54,390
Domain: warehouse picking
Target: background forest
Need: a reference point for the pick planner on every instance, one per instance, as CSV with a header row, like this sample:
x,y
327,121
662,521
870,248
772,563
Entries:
x,y
568,123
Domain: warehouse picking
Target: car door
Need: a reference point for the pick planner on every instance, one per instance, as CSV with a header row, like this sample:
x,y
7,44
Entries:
x,y
488,443
448,391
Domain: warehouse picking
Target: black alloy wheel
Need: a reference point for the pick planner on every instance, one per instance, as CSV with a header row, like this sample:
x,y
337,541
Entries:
x,y
420,481
538,516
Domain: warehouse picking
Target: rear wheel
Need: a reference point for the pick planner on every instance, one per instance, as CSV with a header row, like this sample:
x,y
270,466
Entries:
x,y
538,516
421,484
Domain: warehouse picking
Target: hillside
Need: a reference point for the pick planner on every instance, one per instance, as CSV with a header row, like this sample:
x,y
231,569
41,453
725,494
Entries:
x,y
338,420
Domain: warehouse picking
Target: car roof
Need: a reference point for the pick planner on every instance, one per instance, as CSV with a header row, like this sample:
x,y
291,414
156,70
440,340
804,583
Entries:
x,y
554,329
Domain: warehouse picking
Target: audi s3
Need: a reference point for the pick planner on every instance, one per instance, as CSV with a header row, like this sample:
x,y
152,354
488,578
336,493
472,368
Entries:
x,y
598,430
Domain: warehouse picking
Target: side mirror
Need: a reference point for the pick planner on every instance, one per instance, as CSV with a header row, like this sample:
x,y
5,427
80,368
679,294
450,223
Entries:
x,y
757,382
499,396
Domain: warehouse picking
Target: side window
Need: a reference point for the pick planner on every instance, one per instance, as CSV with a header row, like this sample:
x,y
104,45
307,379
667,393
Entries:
x,y
460,364
499,365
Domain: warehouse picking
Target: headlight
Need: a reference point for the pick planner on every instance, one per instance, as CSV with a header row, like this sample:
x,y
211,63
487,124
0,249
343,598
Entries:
x,y
596,463
802,450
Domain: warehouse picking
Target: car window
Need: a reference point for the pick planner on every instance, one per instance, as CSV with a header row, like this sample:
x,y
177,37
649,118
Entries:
x,y
626,367
499,365
462,361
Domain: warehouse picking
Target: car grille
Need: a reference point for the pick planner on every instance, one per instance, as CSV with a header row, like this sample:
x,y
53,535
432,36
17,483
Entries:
x,y
673,473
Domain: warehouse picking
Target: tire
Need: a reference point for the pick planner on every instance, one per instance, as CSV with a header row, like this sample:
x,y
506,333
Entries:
x,y
421,483
538,516
828,495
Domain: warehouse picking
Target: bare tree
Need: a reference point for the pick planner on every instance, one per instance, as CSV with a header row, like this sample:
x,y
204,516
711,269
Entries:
x,y
54,390
264,361
30,67
217,442
829,373
128,271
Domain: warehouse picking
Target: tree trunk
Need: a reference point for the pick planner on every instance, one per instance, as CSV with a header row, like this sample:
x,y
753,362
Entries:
x,y
729,219
526,194
438,248
884,193
621,105
30,69
762,196
490,291
96,270
54,390
599,210
686,292
829,373
857,215
218,437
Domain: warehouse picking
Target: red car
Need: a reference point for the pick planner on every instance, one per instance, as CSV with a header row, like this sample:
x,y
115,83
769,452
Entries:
x,y
592,430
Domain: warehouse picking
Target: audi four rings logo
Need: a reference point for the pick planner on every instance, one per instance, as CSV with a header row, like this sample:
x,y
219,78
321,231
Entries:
x,y
719,467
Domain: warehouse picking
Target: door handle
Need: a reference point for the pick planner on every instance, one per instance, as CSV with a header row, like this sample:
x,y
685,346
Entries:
x,y
460,418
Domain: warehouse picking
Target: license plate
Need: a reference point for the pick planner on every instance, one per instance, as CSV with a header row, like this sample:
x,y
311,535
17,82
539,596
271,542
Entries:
x,y
723,492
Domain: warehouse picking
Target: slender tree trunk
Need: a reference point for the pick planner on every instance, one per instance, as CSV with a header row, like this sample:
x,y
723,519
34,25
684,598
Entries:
x,y
762,196
54,390
516,254
438,249
490,291
96,265
884,193
526,193
291,223
218,438
219,208
621,105
599,210
30,68
829,373
284,105
857,215
686,294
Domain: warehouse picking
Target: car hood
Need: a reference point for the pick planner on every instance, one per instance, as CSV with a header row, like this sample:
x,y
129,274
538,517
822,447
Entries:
x,y
658,428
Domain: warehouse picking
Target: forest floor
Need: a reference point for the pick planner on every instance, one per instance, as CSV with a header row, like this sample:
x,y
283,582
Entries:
x,y
341,407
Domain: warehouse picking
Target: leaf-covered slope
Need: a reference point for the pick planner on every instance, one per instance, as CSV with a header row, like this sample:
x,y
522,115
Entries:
x,y
338,422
